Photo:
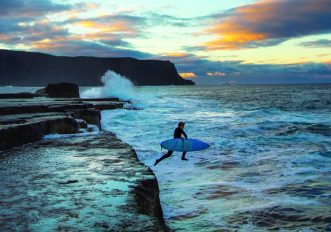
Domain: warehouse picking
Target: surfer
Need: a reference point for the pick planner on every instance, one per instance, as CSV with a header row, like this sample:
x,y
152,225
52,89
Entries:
x,y
178,133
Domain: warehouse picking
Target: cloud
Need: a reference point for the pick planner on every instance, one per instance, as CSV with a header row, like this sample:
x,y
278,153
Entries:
x,y
54,39
153,19
218,72
76,47
108,29
175,54
268,22
28,33
66,29
200,66
29,8
187,75
102,36
47,27
322,43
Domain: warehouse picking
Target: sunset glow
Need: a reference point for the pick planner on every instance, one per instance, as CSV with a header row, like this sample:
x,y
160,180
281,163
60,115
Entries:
x,y
201,38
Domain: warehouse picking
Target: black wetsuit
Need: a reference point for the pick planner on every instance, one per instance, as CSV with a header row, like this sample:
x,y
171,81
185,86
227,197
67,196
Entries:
x,y
179,132
177,135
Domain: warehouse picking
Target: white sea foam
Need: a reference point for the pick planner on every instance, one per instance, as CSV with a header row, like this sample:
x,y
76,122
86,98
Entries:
x,y
247,156
91,130
114,85
62,136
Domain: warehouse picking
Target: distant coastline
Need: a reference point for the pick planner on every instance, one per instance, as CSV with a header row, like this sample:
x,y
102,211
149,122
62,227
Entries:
x,y
38,69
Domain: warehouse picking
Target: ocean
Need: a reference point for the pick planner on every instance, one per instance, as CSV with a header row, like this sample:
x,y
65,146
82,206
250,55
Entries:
x,y
268,166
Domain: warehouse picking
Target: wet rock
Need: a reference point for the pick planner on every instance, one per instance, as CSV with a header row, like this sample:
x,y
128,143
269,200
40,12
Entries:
x,y
146,194
33,129
68,182
107,105
41,92
28,120
101,99
81,123
130,107
35,107
91,116
66,125
116,192
16,95
65,188
104,225
60,90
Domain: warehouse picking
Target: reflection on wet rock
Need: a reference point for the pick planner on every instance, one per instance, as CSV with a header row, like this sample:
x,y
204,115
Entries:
x,y
58,186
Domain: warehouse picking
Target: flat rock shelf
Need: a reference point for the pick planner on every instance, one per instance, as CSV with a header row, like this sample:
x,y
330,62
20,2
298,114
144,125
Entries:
x,y
79,183
26,120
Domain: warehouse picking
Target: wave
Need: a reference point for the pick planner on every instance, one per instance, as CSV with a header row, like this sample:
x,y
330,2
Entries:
x,y
300,127
114,85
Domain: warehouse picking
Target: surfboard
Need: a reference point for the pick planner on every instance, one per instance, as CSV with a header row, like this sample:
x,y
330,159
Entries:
x,y
184,145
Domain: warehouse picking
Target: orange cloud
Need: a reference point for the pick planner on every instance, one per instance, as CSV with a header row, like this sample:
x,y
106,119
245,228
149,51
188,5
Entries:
x,y
176,54
187,75
234,38
268,22
233,34
107,32
4,37
88,24
48,44
100,30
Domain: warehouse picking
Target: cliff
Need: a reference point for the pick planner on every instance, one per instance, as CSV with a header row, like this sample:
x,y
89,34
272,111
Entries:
x,y
37,69
69,176
86,183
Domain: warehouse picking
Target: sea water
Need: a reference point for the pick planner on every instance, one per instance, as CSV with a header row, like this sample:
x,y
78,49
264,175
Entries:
x,y
269,163
268,166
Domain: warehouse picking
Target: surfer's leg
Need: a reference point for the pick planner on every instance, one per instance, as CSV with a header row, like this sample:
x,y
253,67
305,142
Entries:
x,y
168,154
183,156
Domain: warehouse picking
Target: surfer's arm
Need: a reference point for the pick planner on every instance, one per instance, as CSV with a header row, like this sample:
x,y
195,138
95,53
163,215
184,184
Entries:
x,y
184,134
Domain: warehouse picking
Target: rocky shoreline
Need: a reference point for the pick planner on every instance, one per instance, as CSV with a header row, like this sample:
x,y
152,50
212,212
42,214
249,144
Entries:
x,y
57,181
28,120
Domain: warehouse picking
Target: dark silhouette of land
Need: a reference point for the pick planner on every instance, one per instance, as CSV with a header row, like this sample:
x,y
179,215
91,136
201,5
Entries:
x,y
38,69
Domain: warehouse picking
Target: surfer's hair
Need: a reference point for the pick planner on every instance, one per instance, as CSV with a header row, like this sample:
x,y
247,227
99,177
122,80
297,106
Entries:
x,y
181,124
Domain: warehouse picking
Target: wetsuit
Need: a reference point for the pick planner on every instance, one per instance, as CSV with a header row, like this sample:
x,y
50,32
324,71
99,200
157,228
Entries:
x,y
177,135
179,132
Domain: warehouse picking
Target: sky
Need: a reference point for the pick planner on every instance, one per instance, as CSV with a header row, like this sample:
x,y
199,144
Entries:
x,y
210,41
